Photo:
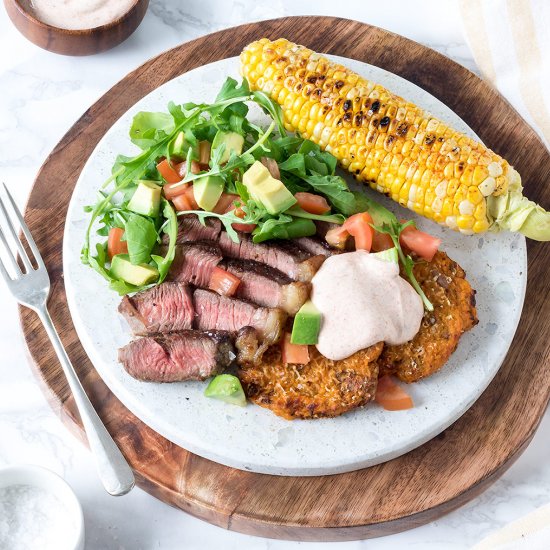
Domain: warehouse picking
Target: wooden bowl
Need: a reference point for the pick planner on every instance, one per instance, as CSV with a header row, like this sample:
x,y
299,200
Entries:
x,y
75,42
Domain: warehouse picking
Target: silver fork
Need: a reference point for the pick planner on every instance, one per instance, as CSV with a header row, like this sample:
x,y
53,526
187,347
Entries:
x,y
31,288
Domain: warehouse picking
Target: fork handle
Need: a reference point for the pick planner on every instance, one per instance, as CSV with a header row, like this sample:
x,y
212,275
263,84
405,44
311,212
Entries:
x,y
114,471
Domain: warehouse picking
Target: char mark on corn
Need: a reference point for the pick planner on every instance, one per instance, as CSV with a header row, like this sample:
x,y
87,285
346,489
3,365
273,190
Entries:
x,y
383,140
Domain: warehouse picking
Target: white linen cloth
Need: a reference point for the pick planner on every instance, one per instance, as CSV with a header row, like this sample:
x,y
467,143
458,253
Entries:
x,y
531,532
510,40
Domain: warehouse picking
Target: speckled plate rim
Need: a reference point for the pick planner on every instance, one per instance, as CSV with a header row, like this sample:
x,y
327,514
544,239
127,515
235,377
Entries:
x,y
253,438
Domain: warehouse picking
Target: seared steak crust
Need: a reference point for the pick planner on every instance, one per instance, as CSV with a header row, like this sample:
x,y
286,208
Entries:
x,y
184,355
293,261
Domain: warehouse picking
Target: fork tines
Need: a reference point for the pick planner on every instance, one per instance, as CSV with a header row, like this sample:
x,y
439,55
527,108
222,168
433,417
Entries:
x,y
13,247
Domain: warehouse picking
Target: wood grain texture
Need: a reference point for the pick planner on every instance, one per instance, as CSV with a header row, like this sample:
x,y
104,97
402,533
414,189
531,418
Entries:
x,y
74,42
403,493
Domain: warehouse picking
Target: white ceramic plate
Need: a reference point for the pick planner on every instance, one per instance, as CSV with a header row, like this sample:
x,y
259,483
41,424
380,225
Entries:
x,y
253,438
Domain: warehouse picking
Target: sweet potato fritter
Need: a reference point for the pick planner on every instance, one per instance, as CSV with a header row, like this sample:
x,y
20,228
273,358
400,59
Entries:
x,y
320,388
444,283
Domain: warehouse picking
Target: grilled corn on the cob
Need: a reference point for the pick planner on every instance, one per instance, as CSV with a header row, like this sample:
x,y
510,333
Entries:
x,y
391,144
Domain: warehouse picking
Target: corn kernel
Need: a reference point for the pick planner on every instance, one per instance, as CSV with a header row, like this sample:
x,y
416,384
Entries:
x,y
465,222
480,173
480,226
474,195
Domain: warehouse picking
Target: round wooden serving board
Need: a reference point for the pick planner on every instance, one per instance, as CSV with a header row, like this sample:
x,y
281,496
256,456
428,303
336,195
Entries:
x,y
403,493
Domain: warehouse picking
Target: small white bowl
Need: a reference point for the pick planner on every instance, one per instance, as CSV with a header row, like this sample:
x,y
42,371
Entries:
x,y
36,476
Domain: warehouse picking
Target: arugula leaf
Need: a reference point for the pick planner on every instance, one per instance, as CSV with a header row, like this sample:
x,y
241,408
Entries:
x,y
284,227
273,108
177,112
141,237
148,128
335,189
294,164
171,229
298,212
313,152
242,191
394,228
230,90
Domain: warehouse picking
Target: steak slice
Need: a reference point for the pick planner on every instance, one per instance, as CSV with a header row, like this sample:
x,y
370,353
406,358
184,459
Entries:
x,y
185,355
324,227
191,229
267,286
293,261
215,312
167,307
315,245
194,263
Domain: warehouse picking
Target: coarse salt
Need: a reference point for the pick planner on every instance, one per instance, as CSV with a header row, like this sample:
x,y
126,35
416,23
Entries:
x,y
34,519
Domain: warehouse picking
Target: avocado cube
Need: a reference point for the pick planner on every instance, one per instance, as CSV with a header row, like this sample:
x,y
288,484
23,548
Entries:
x,y
180,145
138,275
226,387
207,191
307,325
267,190
231,140
146,198
389,255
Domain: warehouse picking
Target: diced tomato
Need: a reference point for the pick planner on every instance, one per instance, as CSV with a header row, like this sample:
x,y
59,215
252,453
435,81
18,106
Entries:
x,y
182,203
223,282
422,244
272,166
172,190
381,241
297,354
186,200
181,168
243,227
360,228
337,237
314,204
225,203
190,194
115,244
168,172
204,153
391,396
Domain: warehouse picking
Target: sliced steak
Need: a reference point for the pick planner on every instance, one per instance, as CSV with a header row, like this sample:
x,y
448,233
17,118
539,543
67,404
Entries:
x,y
215,312
194,263
316,245
191,229
164,308
185,355
249,347
285,256
324,227
267,286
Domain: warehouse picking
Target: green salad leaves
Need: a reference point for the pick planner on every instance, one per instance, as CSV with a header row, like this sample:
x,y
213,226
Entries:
x,y
177,135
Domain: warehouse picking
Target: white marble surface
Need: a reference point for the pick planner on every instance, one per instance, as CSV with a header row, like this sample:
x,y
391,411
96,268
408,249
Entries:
x,y
40,97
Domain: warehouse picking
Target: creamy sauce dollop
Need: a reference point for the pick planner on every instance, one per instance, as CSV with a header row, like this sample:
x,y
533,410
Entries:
x,y
79,14
363,300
